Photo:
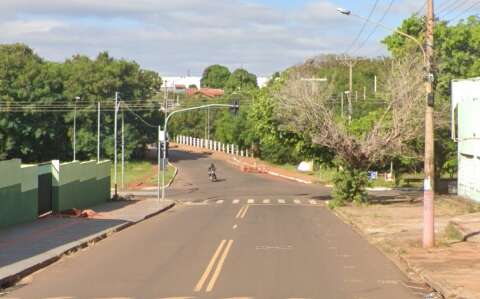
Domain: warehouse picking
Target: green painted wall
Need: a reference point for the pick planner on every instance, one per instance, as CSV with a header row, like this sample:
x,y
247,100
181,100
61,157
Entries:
x,y
80,184
18,192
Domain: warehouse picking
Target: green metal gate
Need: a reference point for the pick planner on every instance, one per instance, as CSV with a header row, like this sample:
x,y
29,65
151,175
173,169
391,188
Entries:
x,y
45,188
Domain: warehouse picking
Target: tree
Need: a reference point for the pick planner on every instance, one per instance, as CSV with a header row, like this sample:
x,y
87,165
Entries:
x,y
241,79
215,76
39,134
456,56
378,135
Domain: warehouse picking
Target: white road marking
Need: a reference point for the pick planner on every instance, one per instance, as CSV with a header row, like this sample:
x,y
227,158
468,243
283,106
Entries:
x,y
312,202
235,201
296,201
220,201
205,202
266,201
282,201
235,226
251,201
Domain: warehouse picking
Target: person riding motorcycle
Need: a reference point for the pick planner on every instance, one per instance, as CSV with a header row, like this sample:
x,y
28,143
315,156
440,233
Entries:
x,y
211,172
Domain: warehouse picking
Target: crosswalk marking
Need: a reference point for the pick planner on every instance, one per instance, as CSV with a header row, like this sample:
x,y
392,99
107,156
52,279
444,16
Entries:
x,y
258,201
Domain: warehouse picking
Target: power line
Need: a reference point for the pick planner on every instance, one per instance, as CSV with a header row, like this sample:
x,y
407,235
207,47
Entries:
x,y
376,27
139,117
452,8
363,27
464,12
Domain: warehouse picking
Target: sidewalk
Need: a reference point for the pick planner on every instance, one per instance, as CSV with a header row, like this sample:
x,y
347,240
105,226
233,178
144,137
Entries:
x,y
395,226
26,248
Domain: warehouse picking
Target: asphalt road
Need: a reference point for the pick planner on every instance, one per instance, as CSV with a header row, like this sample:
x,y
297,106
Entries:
x,y
245,236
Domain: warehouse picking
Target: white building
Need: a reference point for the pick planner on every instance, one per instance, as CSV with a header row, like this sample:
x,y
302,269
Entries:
x,y
173,81
466,132
262,81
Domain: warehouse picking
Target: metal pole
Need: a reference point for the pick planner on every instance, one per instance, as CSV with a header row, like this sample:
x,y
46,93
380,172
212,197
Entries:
x,y
342,104
123,151
350,91
429,184
208,123
375,84
158,168
75,131
98,132
115,145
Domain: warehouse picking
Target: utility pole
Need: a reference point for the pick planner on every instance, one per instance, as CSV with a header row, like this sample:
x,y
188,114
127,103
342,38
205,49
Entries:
x,y
98,132
350,63
342,102
123,151
208,123
429,182
364,93
375,84
115,145
75,130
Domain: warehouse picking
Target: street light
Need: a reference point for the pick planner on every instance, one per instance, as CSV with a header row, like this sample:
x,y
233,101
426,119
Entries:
x,y
77,98
429,161
416,41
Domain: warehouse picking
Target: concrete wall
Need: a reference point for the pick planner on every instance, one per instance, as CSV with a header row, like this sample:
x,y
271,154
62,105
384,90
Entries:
x,y
465,113
80,184
18,192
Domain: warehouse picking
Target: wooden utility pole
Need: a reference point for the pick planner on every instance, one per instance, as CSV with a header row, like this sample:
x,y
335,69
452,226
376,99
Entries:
x,y
429,182
350,90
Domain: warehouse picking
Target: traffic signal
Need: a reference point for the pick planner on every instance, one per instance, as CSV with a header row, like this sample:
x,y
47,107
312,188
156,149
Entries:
x,y
235,106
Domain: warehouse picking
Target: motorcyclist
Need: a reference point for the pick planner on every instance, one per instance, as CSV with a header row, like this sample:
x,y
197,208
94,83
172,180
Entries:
x,y
211,168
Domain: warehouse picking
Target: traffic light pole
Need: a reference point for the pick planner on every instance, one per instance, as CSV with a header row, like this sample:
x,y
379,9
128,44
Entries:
x,y
235,106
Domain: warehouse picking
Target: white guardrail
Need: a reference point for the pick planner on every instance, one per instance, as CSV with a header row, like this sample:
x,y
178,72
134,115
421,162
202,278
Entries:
x,y
213,145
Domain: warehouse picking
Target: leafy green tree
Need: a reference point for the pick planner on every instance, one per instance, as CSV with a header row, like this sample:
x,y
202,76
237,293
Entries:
x,y
241,79
215,76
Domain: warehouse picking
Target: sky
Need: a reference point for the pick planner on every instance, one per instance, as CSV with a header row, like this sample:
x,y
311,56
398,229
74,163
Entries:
x,y
180,37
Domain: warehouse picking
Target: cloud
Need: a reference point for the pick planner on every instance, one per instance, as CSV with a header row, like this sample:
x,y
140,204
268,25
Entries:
x,y
173,37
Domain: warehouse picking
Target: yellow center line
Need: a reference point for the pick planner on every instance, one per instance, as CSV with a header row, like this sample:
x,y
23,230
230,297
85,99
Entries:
x,y
219,267
240,212
202,280
245,212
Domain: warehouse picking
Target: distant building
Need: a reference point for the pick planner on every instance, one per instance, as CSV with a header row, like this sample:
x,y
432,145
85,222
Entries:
x,y
262,81
466,131
180,81
208,92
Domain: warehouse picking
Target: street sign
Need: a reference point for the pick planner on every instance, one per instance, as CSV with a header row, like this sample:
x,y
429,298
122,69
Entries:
x,y
161,136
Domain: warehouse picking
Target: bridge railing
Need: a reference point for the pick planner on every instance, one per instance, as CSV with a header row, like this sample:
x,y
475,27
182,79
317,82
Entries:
x,y
213,145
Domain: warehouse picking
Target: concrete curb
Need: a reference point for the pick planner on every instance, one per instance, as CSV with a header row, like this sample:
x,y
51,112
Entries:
x,y
402,263
61,251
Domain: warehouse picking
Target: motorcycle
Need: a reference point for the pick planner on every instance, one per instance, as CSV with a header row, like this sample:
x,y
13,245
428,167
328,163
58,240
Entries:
x,y
211,175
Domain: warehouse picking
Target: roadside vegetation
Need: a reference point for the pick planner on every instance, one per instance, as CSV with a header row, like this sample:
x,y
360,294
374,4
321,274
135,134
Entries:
x,y
139,174
293,120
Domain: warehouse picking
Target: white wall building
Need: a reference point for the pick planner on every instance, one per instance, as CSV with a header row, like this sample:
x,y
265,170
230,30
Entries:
x,y
466,132
182,80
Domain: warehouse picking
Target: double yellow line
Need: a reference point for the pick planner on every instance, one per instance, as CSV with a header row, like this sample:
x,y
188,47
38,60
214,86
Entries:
x,y
242,212
211,264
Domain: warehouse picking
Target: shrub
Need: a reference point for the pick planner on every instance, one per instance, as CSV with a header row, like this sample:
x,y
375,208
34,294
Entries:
x,y
350,186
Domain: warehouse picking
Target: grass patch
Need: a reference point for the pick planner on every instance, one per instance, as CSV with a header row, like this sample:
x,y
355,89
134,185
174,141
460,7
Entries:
x,y
139,172
452,233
